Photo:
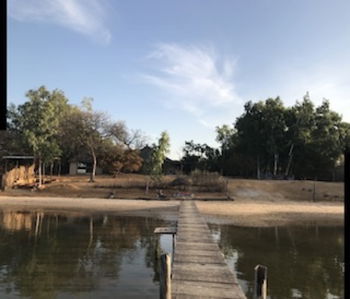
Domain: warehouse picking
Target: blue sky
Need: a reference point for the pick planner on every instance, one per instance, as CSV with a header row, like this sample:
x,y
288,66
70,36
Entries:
x,y
183,66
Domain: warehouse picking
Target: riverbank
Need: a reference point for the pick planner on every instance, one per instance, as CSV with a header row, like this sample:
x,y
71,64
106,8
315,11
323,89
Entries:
x,y
133,186
250,213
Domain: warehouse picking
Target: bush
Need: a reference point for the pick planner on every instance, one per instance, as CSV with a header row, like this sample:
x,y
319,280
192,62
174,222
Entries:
x,y
208,181
181,182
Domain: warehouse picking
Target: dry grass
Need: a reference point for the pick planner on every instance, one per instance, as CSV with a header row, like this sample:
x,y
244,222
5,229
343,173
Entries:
x,y
133,186
267,213
275,190
208,181
19,176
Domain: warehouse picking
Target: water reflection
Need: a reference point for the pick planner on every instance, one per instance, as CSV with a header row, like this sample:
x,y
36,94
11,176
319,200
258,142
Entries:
x,y
303,262
49,255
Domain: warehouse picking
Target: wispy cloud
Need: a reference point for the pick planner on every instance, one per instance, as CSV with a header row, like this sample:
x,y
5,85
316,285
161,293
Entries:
x,y
83,16
195,79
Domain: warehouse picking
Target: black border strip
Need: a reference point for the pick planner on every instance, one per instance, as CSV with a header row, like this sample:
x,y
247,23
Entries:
x,y
3,64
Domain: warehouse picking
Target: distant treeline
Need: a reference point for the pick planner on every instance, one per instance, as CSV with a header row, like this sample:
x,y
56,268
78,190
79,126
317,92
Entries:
x,y
48,127
270,140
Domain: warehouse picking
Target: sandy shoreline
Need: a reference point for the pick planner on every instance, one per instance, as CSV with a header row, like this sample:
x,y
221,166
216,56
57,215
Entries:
x,y
240,213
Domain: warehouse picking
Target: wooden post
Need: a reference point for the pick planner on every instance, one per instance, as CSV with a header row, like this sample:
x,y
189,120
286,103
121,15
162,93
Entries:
x,y
260,288
165,277
174,243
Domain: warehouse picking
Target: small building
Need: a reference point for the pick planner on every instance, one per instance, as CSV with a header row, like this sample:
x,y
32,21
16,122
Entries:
x,y
82,167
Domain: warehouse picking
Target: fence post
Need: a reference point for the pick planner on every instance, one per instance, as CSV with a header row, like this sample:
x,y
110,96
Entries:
x,y
165,277
260,287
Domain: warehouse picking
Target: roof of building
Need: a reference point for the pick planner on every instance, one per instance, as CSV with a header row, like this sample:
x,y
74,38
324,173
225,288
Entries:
x,y
18,157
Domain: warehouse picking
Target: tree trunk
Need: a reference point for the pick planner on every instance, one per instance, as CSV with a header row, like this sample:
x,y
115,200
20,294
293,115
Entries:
x,y
59,168
40,176
94,162
44,166
51,170
289,160
258,168
275,164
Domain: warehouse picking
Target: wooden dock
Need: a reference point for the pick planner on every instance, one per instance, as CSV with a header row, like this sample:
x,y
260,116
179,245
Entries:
x,y
199,269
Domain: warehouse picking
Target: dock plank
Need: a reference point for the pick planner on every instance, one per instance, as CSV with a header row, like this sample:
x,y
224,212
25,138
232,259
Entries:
x,y
199,268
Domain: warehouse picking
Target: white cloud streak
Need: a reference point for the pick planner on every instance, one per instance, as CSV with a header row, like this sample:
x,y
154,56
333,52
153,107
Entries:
x,y
83,16
195,80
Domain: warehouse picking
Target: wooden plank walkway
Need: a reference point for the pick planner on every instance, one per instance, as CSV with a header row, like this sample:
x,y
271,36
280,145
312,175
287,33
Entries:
x,y
199,269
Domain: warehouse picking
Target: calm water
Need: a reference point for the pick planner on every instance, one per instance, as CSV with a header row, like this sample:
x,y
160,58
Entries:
x,y
55,256
303,262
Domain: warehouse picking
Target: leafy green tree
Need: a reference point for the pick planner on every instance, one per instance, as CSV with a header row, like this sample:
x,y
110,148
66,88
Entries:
x,y
159,153
326,145
38,121
250,133
225,136
85,129
300,121
301,140
199,156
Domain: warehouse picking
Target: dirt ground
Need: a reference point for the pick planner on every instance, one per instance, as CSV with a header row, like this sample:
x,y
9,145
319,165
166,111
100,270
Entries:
x,y
133,186
255,203
240,213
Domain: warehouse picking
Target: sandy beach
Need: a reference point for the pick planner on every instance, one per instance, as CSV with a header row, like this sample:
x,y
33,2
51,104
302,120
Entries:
x,y
240,213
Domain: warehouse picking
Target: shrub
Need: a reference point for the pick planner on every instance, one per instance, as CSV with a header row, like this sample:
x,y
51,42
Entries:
x,y
208,181
181,182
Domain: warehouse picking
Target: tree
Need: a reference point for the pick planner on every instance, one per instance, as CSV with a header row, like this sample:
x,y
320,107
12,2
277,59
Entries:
x,y
225,136
250,133
85,129
300,121
132,161
38,120
301,140
199,156
159,154
115,159
131,139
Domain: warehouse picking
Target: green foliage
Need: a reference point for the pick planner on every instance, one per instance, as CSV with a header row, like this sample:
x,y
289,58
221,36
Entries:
x,y
159,154
225,136
199,156
38,119
84,132
271,140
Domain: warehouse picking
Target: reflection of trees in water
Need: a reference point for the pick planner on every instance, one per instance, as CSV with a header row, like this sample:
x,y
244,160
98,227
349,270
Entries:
x,y
308,259
42,254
